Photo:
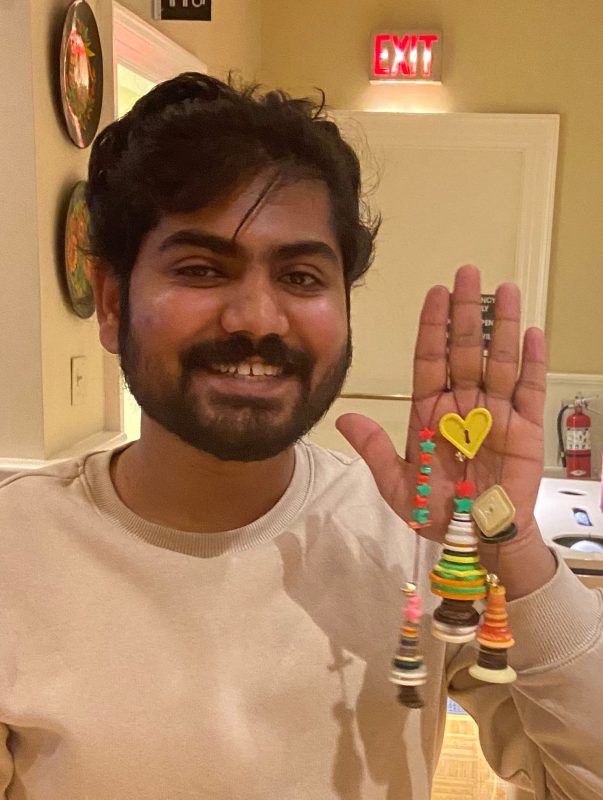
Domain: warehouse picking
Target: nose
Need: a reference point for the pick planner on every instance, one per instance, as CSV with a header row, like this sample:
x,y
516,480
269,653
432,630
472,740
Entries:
x,y
256,307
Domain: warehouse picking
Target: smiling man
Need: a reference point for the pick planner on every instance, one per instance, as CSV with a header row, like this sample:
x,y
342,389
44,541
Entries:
x,y
210,612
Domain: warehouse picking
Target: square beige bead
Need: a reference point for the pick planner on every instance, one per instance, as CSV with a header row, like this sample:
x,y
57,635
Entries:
x,y
493,511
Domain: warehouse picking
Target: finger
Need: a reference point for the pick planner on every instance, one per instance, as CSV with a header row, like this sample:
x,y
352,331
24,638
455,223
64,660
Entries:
x,y
430,362
503,355
466,340
530,391
371,442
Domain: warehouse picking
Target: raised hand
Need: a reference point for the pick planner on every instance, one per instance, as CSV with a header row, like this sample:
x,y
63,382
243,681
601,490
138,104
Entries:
x,y
450,356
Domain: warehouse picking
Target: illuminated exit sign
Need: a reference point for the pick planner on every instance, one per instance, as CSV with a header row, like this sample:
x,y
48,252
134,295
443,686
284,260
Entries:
x,y
412,57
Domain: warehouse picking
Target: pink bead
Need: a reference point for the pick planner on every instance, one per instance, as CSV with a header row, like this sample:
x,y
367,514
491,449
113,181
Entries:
x,y
412,612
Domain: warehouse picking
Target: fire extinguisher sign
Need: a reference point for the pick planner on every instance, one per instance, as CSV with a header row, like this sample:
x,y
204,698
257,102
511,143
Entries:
x,y
487,319
188,10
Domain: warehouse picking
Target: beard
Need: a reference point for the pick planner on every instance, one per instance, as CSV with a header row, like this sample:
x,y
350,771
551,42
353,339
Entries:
x,y
232,427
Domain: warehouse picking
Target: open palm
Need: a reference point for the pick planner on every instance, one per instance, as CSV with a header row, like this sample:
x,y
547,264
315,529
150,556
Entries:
x,y
449,354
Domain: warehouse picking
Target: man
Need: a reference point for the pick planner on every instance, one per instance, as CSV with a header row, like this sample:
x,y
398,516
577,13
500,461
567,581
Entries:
x,y
211,612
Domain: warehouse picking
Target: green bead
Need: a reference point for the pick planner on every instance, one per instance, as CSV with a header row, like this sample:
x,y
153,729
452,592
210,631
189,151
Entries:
x,y
420,515
463,504
425,470
423,489
428,447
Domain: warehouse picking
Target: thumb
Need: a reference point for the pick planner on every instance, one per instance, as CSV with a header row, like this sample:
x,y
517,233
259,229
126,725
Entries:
x,y
373,444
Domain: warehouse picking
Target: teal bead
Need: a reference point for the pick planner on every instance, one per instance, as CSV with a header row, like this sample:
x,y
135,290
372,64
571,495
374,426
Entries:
x,y
463,504
420,515
428,447
423,489
425,470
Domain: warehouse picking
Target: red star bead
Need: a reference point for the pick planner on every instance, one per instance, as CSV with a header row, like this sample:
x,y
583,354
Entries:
x,y
420,502
423,478
425,434
425,458
465,489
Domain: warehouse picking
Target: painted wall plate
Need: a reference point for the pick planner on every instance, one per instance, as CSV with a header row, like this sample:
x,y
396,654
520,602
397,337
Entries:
x,y
78,265
81,73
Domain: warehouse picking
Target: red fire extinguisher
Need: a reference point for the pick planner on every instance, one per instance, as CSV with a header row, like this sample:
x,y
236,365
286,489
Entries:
x,y
575,454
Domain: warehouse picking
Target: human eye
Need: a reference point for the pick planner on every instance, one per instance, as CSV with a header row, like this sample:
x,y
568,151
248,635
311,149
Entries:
x,y
301,279
203,272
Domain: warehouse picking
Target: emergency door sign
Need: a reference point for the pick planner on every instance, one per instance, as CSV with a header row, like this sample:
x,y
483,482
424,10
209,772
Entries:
x,y
411,57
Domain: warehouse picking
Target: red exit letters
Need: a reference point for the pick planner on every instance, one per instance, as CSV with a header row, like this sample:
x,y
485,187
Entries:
x,y
409,56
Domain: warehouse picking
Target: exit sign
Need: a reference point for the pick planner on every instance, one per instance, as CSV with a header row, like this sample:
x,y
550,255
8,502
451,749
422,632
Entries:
x,y
182,9
407,57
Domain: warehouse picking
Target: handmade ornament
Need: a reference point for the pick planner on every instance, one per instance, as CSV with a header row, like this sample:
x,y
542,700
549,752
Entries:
x,y
468,434
408,671
494,514
420,513
495,638
458,577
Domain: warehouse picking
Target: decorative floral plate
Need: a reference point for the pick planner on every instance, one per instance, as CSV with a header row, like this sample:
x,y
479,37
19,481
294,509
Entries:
x,y
81,73
78,265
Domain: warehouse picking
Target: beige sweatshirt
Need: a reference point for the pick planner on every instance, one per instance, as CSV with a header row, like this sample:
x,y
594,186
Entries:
x,y
140,662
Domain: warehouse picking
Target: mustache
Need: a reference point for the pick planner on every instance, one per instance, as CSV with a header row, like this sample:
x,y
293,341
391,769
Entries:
x,y
271,349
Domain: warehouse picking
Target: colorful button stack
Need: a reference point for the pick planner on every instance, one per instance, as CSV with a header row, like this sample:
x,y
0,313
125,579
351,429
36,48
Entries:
x,y
458,577
420,514
495,638
407,670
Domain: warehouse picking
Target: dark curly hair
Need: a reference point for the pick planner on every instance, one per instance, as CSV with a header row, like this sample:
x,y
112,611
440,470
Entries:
x,y
193,138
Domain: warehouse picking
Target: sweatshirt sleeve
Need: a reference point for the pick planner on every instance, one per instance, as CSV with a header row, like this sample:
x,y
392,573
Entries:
x,y
544,732
6,762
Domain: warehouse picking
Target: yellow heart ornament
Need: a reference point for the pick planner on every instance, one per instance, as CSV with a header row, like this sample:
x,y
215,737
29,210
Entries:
x,y
468,434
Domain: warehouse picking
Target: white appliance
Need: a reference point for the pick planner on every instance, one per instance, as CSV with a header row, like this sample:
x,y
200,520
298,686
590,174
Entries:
x,y
569,515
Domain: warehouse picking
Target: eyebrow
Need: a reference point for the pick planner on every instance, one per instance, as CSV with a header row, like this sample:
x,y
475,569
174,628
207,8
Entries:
x,y
228,247
310,247
208,241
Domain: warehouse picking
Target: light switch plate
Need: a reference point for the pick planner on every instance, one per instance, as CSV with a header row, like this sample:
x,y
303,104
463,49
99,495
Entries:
x,y
78,380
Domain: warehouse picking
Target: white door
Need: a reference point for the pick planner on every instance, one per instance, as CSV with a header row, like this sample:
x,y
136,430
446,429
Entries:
x,y
452,189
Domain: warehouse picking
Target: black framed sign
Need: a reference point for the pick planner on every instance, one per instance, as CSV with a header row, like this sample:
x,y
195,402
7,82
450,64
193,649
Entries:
x,y
182,9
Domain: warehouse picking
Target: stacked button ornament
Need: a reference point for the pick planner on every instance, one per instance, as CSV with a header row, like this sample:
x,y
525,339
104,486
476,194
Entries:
x,y
494,515
495,638
420,514
407,669
458,578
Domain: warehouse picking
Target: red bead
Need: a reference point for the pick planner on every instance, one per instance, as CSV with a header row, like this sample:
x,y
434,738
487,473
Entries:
x,y
425,458
425,434
423,478
420,502
465,488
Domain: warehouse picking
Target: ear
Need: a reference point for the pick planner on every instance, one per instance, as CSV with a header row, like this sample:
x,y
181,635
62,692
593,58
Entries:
x,y
106,297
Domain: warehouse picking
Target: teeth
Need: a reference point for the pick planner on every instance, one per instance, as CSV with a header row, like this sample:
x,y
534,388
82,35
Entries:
x,y
247,369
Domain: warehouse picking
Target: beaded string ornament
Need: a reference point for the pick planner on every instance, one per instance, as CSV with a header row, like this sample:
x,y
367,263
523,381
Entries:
x,y
458,577
407,670
494,514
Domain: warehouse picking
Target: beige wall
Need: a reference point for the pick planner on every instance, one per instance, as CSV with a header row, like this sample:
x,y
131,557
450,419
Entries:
x,y
230,42
519,56
39,165
21,424
514,56
39,334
